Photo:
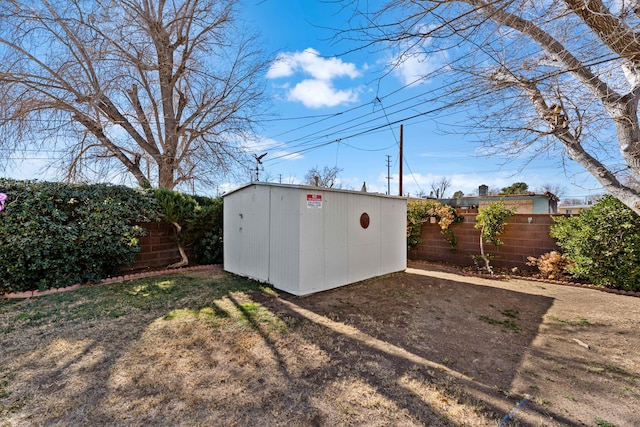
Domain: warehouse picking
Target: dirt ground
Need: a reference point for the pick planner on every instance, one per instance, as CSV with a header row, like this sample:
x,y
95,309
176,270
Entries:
x,y
423,347
573,353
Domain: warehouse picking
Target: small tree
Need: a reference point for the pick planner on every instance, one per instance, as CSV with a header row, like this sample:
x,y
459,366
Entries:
x,y
491,221
604,244
555,189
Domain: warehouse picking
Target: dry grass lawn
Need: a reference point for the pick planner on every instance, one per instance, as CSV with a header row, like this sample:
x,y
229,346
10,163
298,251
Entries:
x,y
419,348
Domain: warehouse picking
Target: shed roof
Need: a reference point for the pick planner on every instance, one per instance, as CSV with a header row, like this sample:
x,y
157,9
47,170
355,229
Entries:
x,y
310,188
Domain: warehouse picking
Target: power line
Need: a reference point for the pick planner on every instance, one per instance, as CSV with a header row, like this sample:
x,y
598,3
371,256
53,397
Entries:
x,y
334,129
359,132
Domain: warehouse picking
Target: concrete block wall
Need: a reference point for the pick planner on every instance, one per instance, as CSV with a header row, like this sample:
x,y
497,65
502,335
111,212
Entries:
x,y
525,235
157,249
521,240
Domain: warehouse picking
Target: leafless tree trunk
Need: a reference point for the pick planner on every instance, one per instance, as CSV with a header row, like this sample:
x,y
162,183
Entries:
x,y
184,259
165,90
544,75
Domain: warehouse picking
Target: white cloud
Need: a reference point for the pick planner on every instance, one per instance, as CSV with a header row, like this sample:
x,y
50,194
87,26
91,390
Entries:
x,y
413,64
321,93
310,62
414,68
286,155
281,67
319,90
259,144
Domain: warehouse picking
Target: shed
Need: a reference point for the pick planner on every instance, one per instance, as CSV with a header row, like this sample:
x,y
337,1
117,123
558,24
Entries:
x,y
306,239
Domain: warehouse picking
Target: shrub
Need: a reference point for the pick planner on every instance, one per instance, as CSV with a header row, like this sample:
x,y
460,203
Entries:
x,y
197,221
208,246
603,243
552,265
418,211
491,221
54,235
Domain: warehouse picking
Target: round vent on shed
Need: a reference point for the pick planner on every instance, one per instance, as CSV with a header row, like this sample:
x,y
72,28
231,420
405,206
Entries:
x,y
364,220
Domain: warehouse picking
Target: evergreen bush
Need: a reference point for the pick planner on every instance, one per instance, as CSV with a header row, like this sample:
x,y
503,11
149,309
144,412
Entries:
x,y
208,246
55,235
197,221
603,243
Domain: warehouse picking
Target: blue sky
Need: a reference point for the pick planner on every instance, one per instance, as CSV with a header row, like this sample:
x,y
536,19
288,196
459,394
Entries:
x,y
345,110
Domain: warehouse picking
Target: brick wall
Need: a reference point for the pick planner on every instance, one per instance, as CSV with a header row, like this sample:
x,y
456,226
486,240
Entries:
x,y
521,240
157,248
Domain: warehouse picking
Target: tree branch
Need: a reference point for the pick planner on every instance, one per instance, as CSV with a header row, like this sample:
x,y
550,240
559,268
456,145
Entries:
x,y
96,130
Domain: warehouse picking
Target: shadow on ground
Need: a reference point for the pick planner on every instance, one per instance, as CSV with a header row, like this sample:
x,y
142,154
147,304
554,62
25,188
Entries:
x,y
405,349
462,336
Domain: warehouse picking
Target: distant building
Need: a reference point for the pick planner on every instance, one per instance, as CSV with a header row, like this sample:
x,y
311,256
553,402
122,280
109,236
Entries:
x,y
574,209
546,203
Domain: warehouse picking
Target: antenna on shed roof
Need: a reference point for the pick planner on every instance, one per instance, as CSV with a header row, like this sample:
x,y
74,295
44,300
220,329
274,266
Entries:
x,y
258,163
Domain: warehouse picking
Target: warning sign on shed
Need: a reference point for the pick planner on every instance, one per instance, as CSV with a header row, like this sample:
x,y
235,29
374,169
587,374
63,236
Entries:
x,y
314,201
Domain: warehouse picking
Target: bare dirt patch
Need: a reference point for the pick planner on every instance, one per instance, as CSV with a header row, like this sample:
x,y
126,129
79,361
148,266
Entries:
x,y
425,347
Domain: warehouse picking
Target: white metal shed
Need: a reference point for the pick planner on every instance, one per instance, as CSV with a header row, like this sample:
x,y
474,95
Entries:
x,y
307,239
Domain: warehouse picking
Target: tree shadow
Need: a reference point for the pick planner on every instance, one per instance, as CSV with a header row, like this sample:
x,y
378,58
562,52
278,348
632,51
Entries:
x,y
405,348
457,335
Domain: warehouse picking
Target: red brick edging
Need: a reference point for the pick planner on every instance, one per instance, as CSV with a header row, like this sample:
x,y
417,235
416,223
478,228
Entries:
x,y
115,279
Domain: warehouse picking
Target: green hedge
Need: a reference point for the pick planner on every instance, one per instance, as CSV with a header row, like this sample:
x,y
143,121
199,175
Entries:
x,y
54,235
603,244
208,245
200,219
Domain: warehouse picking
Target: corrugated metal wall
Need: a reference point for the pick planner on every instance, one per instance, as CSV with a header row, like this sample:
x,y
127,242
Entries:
x,y
336,248
284,247
305,239
393,236
246,232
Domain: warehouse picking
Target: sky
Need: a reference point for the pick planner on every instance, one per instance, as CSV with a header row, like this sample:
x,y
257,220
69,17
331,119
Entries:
x,y
344,110
341,107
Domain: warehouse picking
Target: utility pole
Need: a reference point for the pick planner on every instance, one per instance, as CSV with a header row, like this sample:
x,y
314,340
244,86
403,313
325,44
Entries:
x,y
401,161
388,174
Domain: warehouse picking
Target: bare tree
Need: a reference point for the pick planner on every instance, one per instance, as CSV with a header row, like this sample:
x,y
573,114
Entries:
x,y
322,178
438,188
548,77
164,91
555,189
